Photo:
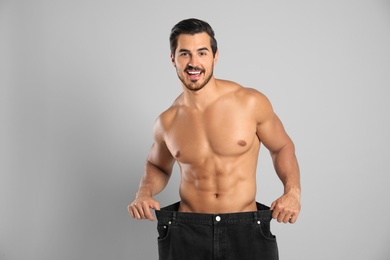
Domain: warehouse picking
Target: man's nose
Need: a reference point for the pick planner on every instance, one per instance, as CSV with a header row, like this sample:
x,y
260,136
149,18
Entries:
x,y
194,61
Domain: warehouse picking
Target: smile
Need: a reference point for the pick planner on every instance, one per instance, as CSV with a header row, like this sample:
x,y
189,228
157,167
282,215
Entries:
x,y
194,72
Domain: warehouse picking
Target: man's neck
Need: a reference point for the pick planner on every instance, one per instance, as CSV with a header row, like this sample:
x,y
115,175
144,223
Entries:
x,y
202,98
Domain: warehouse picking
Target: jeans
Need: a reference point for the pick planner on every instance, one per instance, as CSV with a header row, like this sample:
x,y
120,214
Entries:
x,y
228,236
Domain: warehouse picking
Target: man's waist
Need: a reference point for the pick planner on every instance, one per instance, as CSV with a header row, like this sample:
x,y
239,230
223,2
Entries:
x,y
172,213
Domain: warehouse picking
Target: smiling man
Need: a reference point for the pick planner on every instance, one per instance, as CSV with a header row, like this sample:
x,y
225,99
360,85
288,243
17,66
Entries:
x,y
214,130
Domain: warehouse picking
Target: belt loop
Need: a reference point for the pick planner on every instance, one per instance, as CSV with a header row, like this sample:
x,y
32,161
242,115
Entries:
x,y
258,218
174,217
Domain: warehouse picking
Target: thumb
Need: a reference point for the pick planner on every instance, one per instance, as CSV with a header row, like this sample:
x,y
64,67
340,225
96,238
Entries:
x,y
155,206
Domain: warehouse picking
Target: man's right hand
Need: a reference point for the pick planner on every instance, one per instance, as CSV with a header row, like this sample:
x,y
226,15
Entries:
x,y
141,207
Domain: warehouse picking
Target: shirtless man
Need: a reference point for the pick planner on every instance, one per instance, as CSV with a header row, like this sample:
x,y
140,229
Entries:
x,y
214,130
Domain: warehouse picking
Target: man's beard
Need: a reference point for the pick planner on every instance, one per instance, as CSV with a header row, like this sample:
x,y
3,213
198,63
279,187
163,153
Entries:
x,y
195,85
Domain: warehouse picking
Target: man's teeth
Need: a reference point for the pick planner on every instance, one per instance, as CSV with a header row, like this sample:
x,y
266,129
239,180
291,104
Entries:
x,y
193,72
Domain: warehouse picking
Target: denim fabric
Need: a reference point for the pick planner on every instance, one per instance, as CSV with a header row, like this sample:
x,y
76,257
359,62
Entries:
x,y
231,236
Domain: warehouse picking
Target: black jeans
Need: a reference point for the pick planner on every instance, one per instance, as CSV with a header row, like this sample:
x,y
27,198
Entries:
x,y
232,236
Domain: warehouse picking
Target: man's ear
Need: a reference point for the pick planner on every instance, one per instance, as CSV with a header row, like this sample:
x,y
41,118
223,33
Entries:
x,y
216,57
173,60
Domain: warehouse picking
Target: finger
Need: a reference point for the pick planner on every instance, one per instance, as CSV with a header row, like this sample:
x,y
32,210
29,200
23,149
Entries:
x,y
273,205
276,215
283,214
276,212
287,218
281,217
293,219
148,213
130,211
156,206
138,211
142,211
293,215
135,213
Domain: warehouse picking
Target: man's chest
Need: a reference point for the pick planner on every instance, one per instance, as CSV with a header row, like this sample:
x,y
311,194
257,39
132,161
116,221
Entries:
x,y
194,137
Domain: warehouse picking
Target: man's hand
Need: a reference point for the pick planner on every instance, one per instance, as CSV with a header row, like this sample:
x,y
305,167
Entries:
x,y
286,208
140,207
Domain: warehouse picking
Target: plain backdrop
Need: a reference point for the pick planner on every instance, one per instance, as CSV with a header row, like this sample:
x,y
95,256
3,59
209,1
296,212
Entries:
x,y
82,82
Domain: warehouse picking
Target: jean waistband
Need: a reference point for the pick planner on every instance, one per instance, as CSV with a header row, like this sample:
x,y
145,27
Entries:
x,y
170,213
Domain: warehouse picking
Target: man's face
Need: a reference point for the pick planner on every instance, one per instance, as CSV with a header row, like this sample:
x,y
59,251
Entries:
x,y
193,60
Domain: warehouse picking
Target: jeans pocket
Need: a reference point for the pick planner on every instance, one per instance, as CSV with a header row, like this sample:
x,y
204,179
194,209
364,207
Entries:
x,y
163,231
264,229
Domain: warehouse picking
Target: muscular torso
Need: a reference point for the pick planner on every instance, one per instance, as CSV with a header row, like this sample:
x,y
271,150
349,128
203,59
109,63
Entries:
x,y
217,150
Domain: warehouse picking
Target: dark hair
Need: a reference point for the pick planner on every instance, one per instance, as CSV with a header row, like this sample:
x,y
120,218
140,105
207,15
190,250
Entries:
x,y
192,26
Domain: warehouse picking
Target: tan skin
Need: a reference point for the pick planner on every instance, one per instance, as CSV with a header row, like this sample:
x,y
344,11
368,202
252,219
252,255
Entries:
x,y
214,134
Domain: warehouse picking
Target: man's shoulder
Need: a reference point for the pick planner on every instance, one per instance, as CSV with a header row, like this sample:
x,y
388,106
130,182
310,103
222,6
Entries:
x,y
251,99
245,94
168,116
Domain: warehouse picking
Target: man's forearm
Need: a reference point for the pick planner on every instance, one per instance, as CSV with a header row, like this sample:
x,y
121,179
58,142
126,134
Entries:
x,y
286,166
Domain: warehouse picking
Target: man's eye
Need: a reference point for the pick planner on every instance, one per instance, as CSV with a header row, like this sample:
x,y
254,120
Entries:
x,y
202,53
183,54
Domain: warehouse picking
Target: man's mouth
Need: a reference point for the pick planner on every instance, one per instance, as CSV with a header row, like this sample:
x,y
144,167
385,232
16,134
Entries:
x,y
194,73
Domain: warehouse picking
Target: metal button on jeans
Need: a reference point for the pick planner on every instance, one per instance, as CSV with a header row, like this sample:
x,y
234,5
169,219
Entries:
x,y
218,218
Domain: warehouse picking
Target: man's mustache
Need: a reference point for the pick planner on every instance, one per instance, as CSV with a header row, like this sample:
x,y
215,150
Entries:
x,y
193,68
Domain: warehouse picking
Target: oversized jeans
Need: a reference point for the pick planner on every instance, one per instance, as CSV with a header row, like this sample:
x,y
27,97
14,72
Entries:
x,y
228,236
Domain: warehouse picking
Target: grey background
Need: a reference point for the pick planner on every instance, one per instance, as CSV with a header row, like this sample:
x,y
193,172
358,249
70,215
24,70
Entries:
x,y
83,81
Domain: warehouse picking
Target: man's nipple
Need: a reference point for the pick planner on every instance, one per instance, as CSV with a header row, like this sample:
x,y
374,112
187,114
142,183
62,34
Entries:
x,y
241,143
177,154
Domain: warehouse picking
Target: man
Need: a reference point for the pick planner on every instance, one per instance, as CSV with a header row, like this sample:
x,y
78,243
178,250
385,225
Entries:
x,y
213,130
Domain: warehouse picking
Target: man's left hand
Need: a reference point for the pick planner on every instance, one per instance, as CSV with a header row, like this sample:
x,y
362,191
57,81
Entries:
x,y
286,209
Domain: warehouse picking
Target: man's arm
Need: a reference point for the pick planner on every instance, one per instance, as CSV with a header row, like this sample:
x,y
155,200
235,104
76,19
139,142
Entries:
x,y
271,132
158,170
